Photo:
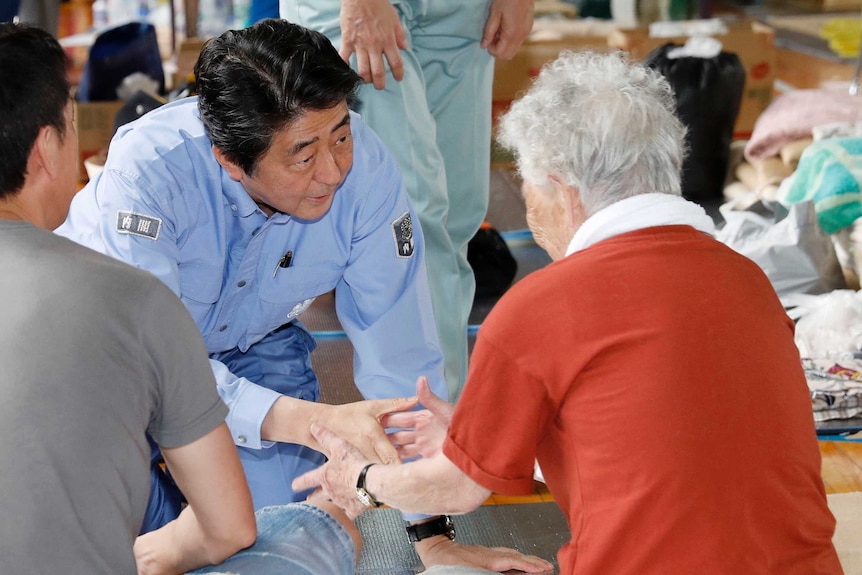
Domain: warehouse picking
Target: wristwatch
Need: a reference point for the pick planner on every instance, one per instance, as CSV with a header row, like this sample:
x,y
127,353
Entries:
x,y
361,493
441,526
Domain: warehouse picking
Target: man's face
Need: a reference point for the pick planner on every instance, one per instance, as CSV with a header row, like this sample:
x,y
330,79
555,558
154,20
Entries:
x,y
307,161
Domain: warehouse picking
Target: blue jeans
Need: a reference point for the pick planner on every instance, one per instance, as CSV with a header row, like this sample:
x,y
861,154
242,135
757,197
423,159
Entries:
x,y
166,500
297,538
281,362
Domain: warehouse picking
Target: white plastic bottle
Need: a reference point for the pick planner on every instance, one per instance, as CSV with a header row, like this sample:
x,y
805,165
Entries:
x,y
100,14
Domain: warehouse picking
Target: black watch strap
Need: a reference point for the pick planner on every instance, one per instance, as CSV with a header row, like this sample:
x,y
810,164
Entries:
x,y
441,526
362,493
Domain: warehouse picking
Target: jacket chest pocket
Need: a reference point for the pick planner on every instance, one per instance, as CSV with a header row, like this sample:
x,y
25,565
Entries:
x,y
292,290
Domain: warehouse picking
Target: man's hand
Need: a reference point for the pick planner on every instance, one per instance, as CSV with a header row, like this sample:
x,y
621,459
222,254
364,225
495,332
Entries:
x,y
336,478
359,424
372,29
424,431
440,550
509,22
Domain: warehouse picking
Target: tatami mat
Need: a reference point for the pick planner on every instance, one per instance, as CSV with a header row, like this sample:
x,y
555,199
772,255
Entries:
x,y
533,528
847,509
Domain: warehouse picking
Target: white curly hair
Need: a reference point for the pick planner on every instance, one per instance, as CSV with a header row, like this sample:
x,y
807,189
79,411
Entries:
x,y
601,123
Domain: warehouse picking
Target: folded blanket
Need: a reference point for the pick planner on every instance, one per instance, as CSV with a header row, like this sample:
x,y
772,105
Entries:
x,y
836,388
793,115
837,130
792,151
759,173
829,174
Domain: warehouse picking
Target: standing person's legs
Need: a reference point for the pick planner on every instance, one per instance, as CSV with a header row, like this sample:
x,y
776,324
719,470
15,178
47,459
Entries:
x,y
402,116
299,539
458,76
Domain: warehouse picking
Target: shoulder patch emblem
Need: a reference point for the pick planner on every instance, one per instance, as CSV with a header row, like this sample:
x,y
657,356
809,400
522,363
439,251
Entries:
x,y
139,225
402,229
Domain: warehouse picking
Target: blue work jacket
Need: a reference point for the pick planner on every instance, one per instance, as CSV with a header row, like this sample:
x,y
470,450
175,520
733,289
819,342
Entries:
x,y
164,204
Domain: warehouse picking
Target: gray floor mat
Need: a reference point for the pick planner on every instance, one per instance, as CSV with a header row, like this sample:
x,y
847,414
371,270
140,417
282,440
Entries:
x,y
534,528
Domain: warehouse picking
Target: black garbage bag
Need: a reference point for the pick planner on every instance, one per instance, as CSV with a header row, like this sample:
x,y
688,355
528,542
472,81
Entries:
x,y
493,264
136,106
708,95
116,53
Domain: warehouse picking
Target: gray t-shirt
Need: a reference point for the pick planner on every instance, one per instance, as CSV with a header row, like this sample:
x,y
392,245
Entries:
x,y
93,353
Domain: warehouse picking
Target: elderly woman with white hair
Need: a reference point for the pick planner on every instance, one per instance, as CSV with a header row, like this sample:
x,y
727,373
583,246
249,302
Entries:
x,y
635,368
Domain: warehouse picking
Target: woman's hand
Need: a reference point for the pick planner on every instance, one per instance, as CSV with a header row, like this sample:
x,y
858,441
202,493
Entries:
x,y
360,424
423,431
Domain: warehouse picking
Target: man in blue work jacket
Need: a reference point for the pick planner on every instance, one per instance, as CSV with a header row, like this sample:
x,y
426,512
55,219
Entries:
x,y
251,200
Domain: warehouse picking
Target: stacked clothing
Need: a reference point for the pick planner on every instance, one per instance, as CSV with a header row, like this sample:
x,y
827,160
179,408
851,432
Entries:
x,y
807,146
836,387
829,338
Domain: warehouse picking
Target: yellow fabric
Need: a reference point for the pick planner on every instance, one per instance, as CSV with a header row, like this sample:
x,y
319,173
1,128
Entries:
x,y
843,35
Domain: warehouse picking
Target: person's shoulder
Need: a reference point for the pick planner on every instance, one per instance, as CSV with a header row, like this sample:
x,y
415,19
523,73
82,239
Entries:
x,y
172,133
550,278
92,267
540,292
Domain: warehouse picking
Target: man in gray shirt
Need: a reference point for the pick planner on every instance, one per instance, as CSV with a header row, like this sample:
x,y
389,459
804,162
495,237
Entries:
x,y
95,354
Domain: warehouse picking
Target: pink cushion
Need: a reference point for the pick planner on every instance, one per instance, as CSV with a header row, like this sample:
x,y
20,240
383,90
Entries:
x,y
792,116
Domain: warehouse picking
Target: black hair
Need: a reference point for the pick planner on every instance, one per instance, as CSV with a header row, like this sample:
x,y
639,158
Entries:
x,y
254,82
34,92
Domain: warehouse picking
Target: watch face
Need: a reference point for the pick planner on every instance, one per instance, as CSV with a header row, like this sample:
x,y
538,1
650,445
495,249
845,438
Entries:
x,y
364,497
450,528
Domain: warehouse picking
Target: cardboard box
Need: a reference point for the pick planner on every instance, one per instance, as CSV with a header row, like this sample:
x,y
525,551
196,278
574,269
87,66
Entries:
x,y
753,42
548,39
512,77
187,57
95,122
803,6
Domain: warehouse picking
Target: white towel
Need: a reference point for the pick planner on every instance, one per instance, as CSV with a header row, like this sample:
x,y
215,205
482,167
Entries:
x,y
639,212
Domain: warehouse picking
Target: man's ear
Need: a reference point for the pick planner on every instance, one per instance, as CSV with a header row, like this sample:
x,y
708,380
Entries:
x,y
234,171
45,148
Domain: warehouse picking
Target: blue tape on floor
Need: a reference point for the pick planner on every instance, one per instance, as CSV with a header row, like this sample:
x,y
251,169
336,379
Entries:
x,y
328,334
839,437
516,237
